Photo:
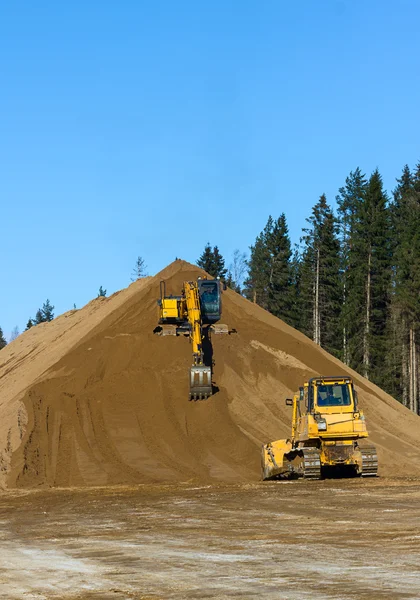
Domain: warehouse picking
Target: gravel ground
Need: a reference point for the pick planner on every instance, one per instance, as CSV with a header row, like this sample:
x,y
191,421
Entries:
x,y
334,539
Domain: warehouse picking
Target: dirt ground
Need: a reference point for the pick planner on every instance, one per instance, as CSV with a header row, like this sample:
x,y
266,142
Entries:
x,y
335,539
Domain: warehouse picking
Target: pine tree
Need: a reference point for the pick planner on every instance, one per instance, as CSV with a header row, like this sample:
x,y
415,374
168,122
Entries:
x,y
47,311
219,264
139,270
320,289
43,315
280,291
205,261
368,280
257,283
212,262
3,342
349,200
39,317
270,281
403,360
101,293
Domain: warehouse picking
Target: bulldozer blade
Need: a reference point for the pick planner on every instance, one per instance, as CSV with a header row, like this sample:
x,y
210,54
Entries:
x,y
200,382
275,459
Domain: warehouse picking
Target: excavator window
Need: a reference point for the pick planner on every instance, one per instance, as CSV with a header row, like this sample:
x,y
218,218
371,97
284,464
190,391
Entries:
x,y
210,300
333,395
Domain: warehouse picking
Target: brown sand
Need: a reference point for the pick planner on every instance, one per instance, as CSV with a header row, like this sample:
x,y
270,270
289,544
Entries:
x,y
95,398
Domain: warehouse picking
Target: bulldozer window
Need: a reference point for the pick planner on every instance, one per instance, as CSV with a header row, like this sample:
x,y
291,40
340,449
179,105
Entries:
x,y
333,395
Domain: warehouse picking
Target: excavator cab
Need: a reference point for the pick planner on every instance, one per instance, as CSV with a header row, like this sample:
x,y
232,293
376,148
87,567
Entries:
x,y
210,300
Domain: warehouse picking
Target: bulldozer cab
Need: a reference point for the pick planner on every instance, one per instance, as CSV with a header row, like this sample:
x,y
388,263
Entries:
x,y
332,395
210,300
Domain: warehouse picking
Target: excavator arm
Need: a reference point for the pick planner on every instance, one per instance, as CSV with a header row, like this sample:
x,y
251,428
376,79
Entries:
x,y
200,374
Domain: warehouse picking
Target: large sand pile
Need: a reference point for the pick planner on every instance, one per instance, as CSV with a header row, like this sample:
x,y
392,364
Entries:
x,y
95,398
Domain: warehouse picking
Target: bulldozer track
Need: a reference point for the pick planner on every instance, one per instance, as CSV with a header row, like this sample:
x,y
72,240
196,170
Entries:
x,y
369,462
311,463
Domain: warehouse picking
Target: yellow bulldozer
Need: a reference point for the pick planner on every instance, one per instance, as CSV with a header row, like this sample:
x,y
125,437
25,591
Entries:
x,y
329,435
195,313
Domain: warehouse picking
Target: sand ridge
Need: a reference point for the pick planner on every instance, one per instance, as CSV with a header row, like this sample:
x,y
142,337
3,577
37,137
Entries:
x,y
95,398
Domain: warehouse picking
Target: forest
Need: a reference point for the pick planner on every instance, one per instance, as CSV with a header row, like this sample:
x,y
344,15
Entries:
x,y
352,284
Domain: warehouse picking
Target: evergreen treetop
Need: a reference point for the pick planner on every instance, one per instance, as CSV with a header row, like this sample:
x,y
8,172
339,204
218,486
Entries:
x,y
212,262
47,311
139,270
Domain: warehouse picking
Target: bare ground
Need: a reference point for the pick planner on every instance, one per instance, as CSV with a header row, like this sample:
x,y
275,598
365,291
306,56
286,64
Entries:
x,y
335,539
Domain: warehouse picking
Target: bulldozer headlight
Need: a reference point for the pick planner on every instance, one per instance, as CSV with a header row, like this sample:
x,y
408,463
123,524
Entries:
x,y
322,425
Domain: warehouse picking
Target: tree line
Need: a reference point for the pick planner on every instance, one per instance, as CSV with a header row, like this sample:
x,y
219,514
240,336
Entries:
x,y
352,284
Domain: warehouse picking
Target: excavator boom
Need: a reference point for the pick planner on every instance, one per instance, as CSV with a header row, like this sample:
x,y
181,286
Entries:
x,y
200,374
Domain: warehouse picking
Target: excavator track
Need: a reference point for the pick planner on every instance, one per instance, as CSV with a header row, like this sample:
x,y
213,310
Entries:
x,y
311,463
369,462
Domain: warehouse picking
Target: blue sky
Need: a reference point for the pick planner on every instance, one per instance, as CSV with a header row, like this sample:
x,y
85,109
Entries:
x,y
132,128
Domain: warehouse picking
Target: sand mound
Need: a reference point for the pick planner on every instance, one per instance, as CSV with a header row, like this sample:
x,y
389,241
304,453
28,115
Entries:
x,y
95,398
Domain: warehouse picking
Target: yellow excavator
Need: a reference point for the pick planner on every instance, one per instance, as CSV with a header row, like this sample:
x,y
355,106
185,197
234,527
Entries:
x,y
195,314
328,435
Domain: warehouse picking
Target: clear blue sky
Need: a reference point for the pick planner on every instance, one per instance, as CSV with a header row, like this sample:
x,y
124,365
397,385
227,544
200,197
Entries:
x,y
149,128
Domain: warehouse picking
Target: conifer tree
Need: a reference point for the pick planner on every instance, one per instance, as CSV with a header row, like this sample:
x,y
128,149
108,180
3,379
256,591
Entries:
x,y
320,290
256,285
368,292
39,317
139,270
349,200
212,262
280,291
101,293
3,342
403,361
205,261
219,264
47,311
29,324
270,278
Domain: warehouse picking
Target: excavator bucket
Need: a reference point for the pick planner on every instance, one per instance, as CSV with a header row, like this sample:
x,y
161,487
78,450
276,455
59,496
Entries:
x,y
200,382
274,461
